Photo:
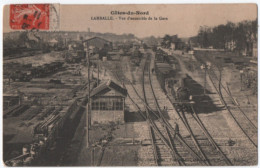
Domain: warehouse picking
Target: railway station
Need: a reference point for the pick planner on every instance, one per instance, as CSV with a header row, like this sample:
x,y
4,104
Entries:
x,y
101,96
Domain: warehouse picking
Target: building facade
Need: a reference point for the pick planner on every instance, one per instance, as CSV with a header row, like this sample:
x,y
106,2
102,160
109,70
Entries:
x,y
107,103
97,42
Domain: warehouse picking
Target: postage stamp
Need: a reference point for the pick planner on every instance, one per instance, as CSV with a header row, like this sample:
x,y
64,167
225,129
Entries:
x,y
30,16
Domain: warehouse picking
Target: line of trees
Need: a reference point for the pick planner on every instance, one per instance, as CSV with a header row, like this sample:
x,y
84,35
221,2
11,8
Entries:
x,y
168,40
230,36
151,41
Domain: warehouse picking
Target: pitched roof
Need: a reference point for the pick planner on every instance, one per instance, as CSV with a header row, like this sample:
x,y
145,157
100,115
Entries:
x,y
53,41
106,87
97,38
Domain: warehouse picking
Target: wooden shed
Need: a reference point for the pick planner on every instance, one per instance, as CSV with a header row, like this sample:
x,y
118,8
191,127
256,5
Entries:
x,y
107,103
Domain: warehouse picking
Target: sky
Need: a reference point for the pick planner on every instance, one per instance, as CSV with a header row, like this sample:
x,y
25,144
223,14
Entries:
x,y
184,20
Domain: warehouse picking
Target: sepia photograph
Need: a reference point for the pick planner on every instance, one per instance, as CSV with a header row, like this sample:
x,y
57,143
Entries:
x,y
130,85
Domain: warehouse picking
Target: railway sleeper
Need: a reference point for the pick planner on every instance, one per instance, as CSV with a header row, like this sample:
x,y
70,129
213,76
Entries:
x,y
167,159
193,163
187,159
164,154
166,164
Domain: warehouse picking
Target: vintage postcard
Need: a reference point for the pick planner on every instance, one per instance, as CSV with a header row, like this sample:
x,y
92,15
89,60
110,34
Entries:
x,y
130,85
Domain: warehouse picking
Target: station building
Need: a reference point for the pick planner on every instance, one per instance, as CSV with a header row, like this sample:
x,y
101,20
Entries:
x,y
98,43
107,103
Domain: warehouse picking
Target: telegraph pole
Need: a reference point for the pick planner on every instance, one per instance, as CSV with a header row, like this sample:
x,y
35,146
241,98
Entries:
x,y
88,105
98,74
219,83
205,80
89,110
93,157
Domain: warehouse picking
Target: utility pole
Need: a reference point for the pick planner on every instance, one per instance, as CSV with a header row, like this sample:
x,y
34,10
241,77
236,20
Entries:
x,y
88,105
98,74
205,80
93,157
219,83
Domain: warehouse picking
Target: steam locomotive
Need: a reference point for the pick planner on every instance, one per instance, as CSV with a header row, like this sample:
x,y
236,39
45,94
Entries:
x,y
179,91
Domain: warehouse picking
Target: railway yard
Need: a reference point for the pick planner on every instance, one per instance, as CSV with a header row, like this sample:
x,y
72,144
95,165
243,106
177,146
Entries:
x,y
49,108
180,109
218,128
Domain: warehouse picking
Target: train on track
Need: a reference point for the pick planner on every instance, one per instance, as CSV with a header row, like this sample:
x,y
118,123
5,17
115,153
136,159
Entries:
x,y
181,93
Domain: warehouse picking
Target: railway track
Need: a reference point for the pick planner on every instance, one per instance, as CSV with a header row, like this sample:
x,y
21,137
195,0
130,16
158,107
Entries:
x,y
238,115
207,148
162,135
247,127
168,146
162,149
234,102
164,153
206,145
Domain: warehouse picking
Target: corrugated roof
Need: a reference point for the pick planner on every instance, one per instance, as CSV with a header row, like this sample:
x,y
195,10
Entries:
x,y
106,87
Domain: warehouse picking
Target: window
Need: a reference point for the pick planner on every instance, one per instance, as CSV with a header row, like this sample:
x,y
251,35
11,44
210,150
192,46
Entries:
x,y
108,104
92,106
95,106
102,105
118,104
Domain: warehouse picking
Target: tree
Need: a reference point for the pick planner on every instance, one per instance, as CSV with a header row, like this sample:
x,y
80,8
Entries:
x,y
246,35
219,37
240,36
166,41
151,41
204,36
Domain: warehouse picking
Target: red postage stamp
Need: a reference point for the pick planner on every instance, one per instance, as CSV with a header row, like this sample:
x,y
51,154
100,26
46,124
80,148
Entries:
x,y
30,16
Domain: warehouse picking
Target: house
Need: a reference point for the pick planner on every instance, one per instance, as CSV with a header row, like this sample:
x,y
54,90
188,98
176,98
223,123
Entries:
x,y
53,42
107,103
97,42
176,43
75,45
172,46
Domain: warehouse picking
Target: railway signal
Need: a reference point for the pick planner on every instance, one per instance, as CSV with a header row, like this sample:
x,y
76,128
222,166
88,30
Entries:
x,y
205,67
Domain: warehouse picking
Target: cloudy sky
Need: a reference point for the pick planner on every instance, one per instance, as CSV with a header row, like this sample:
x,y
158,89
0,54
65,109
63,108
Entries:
x,y
183,20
